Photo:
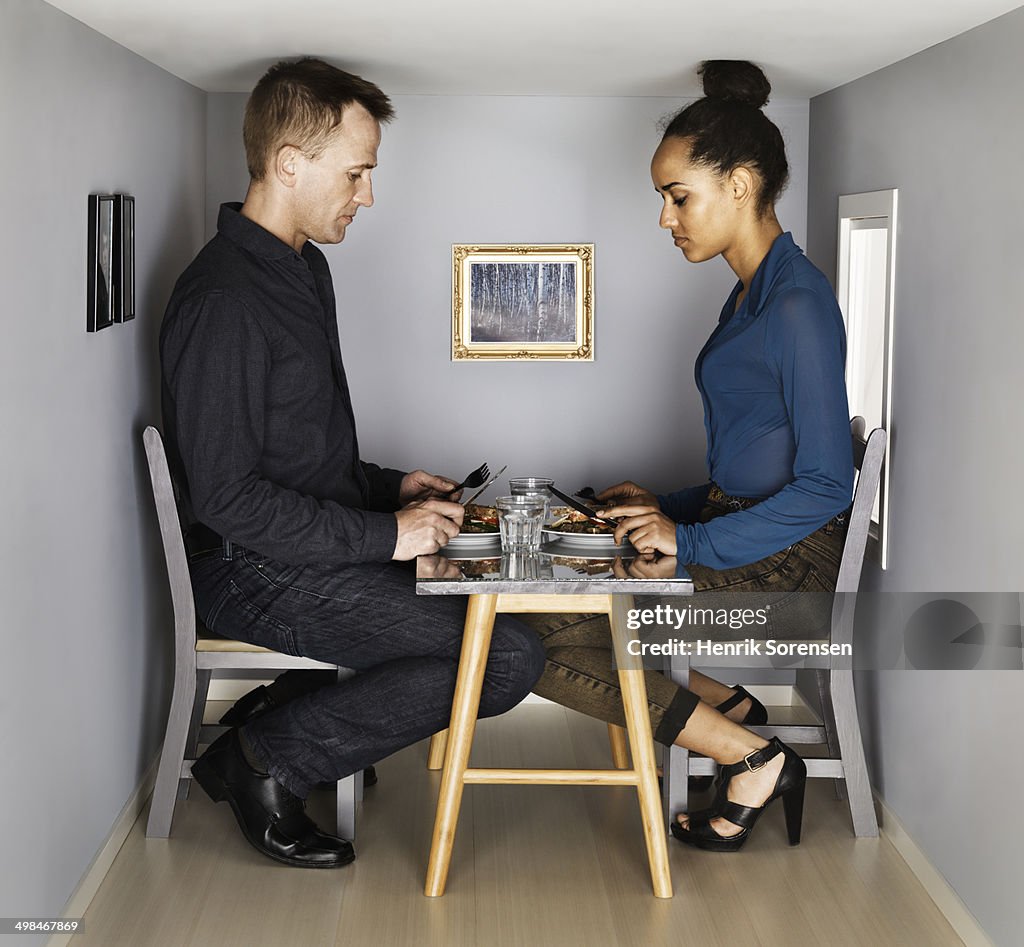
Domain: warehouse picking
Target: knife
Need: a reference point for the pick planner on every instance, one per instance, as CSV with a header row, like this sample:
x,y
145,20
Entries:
x,y
580,508
486,485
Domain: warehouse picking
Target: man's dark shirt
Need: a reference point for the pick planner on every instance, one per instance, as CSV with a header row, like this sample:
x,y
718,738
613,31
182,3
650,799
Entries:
x,y
258,418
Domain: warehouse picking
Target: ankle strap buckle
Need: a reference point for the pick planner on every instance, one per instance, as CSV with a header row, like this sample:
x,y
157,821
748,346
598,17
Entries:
x,y
759,760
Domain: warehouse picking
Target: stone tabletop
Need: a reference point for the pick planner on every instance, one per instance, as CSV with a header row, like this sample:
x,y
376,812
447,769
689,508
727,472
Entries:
x,y
487,571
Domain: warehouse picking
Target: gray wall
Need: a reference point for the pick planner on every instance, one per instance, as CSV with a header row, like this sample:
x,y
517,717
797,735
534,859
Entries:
x,y
521,170
83,603
945,128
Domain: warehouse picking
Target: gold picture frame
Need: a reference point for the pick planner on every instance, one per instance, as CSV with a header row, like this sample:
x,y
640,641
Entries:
x,y
523,301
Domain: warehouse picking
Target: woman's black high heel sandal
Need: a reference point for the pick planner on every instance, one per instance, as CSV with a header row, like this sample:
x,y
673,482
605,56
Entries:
x,y
756,716
789,785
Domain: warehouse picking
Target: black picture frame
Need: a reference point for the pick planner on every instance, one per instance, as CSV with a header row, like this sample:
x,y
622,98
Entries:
x,y
124,264
100,263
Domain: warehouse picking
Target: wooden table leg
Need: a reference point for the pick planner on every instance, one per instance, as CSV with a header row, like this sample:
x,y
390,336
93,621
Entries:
x,y
437,749
620,748
641,745
476,642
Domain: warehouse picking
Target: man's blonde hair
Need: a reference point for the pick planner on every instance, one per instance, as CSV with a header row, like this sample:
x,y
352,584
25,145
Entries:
x,y
301,103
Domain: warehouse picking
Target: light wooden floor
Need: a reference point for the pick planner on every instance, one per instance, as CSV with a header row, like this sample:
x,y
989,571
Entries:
x,y
533,866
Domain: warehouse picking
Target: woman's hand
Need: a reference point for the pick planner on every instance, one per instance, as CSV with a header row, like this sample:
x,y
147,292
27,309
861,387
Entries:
x,y
647,567
647,528
627,490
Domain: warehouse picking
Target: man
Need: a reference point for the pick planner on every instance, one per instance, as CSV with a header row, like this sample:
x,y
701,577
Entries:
x,y
291,536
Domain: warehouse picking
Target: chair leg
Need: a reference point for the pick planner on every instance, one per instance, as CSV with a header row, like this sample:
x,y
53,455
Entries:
x,y
436,751
346,802
828,718
620,748
862,805
195,723
203,678
161,809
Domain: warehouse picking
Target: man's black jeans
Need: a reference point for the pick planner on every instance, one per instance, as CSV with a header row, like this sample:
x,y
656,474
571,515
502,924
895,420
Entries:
x,y
366,617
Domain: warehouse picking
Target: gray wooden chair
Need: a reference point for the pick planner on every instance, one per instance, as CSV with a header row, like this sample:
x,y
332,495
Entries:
x,y
839,727
197,654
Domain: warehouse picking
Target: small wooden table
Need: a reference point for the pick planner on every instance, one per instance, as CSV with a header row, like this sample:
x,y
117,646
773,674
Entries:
x,y
543,582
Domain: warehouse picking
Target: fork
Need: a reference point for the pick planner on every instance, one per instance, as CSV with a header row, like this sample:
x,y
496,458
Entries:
x,y
474,479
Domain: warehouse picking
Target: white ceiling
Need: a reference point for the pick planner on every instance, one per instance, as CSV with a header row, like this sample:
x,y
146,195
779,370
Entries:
x,y
533,47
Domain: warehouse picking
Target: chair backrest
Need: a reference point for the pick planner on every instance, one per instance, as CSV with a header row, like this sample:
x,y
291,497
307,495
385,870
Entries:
x,y
173,543
868,454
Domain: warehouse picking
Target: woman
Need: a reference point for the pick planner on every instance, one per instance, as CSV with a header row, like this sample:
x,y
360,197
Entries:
x,y
772,518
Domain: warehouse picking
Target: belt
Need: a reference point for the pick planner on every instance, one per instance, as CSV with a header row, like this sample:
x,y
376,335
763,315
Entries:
x,y
719,497
200,538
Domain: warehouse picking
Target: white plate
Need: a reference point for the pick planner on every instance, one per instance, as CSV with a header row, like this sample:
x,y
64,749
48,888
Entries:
x,y
465,542
555,547
582,540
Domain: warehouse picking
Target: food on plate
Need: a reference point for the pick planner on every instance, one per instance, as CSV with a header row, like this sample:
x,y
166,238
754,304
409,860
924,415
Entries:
x,y
574,522
479,519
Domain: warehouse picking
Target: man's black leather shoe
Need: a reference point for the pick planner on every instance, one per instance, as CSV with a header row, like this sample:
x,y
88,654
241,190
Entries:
x,y
248,707
272,818
258,702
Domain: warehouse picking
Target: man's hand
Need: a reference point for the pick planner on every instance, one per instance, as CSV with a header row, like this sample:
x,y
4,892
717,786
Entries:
x,y
627,490
425,526
436,567
420,485
647,528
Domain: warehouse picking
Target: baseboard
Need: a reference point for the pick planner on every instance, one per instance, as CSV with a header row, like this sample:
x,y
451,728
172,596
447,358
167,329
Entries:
x,y
939,890
83,894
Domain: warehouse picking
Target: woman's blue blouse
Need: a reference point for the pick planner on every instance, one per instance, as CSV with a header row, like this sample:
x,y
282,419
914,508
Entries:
x,y
775,411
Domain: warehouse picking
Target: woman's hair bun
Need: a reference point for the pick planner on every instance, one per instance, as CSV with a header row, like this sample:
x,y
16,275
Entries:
x,y
735,80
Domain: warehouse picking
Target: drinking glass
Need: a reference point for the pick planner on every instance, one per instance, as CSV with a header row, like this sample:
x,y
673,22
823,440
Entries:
x,y
520,519
533,487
